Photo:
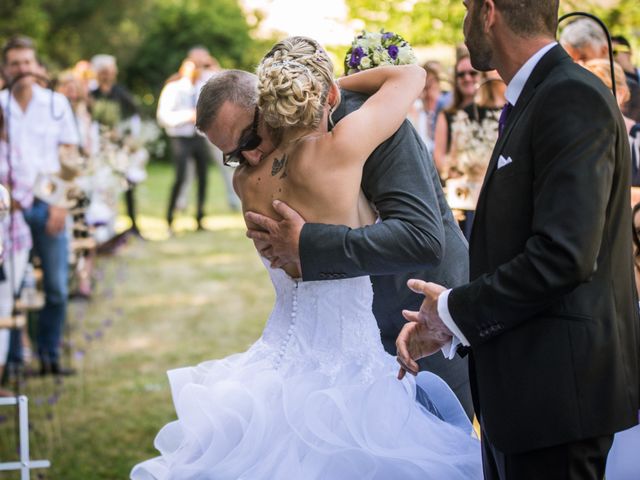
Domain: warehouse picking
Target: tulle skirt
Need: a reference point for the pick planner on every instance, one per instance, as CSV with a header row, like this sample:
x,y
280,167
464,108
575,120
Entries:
x,y
241,418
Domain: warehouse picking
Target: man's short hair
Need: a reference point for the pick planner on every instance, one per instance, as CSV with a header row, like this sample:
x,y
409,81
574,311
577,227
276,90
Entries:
x,y
17,42
529,18
235,86
583,33
102,61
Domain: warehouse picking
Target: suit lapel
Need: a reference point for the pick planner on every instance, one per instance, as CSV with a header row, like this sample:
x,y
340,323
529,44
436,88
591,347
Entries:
x,y
547,63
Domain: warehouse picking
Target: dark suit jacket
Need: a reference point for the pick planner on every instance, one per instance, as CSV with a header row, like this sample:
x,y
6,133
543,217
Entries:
x,y
551,312
417,238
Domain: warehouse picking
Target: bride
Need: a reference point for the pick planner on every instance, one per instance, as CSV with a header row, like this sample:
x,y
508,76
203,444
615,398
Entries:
x,y
316,397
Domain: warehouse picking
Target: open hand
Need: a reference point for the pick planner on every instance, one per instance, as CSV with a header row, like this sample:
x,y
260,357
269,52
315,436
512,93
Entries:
x,y
277,240
413,343
425,333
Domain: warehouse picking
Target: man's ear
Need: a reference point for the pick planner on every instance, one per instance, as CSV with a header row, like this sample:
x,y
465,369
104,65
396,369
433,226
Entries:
x,y
333,97
488,15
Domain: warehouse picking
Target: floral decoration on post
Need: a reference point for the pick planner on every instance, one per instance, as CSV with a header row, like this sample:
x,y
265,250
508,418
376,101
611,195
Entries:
x,y
373,49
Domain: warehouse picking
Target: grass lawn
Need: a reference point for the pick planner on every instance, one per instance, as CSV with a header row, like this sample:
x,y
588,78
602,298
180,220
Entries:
x,y
159,304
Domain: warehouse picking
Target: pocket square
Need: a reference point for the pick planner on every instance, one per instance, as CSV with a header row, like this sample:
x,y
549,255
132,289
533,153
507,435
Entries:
x,y
503,162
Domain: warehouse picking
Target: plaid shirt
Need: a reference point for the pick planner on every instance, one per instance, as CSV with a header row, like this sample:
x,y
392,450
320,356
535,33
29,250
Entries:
x,y
15,232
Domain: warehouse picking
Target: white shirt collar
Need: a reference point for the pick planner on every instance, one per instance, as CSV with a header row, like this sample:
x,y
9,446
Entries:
x,y
514,89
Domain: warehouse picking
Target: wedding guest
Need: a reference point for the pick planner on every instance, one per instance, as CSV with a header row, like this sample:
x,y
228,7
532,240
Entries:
x,y
623,462
624,56
465,83
584,40
41,124
474,133
634,140
426,108
71,87
550,317
15,237
601,68
208,66
177,114
635,215
118,105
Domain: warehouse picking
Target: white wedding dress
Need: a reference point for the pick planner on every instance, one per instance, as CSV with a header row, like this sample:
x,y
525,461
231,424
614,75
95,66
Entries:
x,y
316,397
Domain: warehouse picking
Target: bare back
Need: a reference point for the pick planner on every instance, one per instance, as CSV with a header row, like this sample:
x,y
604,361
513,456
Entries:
x,y
312,179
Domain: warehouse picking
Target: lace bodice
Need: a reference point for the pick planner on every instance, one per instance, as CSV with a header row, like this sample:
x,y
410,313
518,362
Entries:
x,y
327,323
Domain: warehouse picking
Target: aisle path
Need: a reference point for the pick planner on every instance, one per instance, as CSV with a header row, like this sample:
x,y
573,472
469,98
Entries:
x,y
159,305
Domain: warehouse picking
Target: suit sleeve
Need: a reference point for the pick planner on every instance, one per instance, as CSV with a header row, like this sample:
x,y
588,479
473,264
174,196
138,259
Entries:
x,y
574,143
410,233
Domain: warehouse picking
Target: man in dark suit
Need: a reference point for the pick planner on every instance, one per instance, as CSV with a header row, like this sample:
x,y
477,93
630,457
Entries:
x,y
416,237
551,313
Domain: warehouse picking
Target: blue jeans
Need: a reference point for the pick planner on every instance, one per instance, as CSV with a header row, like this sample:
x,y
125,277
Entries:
x,y
53,251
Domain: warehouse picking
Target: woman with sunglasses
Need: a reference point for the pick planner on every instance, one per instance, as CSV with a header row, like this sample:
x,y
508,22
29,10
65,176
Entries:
x,y
316,397
465,84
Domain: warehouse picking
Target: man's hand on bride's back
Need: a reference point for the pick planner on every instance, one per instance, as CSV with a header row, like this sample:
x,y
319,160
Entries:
x,y
277,240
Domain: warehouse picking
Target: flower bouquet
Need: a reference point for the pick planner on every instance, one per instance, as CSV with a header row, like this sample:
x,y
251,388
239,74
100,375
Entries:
x,y
372,49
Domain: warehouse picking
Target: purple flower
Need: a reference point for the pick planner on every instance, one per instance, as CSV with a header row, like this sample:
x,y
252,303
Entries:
x,y
356,55
393,51
387,35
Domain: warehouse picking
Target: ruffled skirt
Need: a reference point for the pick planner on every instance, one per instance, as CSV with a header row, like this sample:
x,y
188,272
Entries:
x,y
241,418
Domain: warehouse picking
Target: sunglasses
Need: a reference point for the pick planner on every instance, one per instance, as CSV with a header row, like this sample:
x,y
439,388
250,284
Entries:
x,y
250,141
618,49
472,73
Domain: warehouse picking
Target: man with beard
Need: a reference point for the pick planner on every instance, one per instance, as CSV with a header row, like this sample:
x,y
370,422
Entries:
x,y
550,316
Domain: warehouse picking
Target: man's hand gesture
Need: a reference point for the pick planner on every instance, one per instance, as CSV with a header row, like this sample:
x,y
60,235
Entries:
x,y
425,333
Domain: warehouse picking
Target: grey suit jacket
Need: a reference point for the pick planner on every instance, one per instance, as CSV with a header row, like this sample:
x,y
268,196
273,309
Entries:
x,y
416,238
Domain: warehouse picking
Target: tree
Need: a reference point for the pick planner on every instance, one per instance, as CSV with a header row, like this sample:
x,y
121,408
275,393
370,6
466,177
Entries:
x,y
148,37
427,22
177,26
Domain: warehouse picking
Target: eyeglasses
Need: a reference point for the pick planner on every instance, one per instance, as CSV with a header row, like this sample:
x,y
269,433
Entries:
x,y
250,141
472,73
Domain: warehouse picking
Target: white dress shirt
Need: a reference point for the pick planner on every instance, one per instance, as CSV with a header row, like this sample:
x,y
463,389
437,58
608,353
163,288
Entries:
x,y
176,108
514,89
36,133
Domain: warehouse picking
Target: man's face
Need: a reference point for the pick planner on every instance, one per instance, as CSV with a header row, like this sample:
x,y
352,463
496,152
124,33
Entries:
x,y
474,37
622,55
201,58
21,61
233,126
107,75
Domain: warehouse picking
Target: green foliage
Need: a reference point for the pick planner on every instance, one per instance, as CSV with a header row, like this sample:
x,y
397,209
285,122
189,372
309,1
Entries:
x,y
421,22
428,22
149,37
176,26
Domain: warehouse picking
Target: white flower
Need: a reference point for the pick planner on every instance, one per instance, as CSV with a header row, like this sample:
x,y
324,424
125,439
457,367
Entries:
x,y
365,63
406,55
372,40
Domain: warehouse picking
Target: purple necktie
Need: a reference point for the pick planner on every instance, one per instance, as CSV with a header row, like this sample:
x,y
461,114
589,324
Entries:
x,y
502,121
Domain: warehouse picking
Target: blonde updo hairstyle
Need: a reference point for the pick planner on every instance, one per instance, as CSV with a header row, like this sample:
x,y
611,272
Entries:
x,y
294,79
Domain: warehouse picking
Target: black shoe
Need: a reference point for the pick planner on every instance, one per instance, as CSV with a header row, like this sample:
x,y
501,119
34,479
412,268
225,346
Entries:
x,y
55,369
60,371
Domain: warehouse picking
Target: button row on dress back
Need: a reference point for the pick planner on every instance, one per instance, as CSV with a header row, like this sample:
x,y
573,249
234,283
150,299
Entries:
x,y
294,312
